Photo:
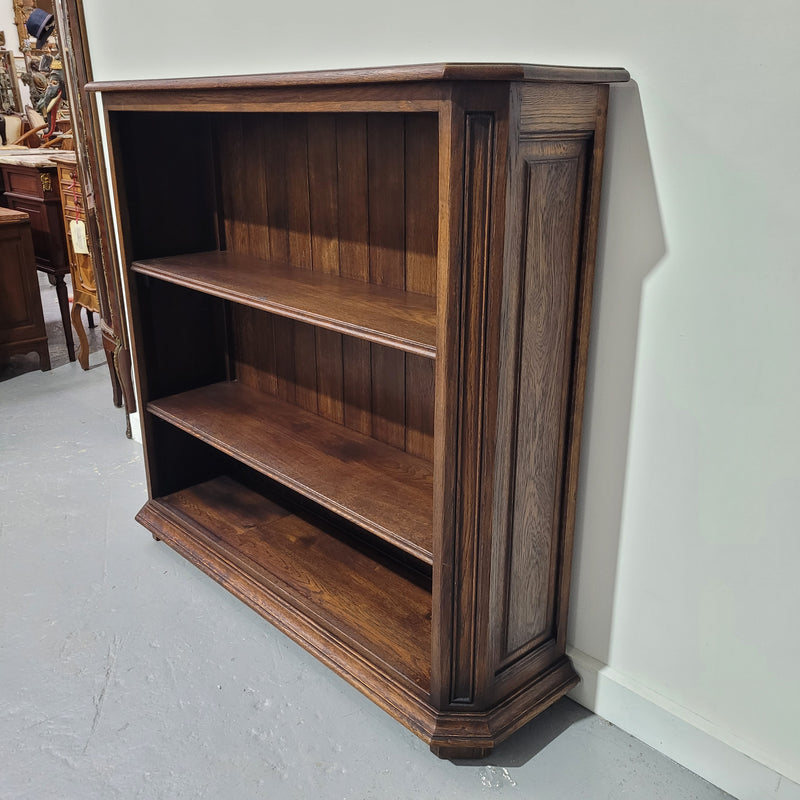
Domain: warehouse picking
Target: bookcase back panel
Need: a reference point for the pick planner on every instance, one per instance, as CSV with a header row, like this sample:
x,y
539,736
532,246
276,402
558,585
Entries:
x,y
168,191
350,194
375,390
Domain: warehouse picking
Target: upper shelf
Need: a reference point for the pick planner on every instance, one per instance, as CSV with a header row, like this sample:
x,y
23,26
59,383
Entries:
x,y
392,74
380,314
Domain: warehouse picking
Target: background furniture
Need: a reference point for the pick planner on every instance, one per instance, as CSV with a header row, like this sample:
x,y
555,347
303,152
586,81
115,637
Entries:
x,y
85,119
31,185
361,305
84,285
22,327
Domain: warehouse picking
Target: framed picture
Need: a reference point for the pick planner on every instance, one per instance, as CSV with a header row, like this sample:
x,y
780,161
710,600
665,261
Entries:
x,y
10,98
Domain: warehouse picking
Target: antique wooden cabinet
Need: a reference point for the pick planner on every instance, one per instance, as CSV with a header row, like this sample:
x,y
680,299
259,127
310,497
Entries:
x,y
31,185
22,328
360,305
84,284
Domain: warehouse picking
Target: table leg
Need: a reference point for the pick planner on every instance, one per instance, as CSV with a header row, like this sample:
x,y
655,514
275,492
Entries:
x,y
63,305
83,352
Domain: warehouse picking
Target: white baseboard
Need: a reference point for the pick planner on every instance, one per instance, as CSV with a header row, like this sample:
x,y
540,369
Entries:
x,y
136,427
676,732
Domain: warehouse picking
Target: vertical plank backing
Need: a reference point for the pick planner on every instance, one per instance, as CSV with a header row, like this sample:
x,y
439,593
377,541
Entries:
x,y
330,389
323,194
362,202
305,366
388,395
256,191
420,379
277,191
357,390
421,202
234,178
284,359
296,165
353,189
385,152
254,348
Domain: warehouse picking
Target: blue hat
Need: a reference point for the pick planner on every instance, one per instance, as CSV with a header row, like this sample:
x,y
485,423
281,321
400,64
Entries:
x,y
40,24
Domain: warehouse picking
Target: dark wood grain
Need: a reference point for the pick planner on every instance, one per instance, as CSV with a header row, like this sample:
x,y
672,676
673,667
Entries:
x,y
22,328
558,108
388,396
386,491
351,153
376,313
305,367
254,348
315,571
324,199
330,375
547,296
420,393
389,334
273,143
422,198
299,208
357,390
385,146
393,74
477,200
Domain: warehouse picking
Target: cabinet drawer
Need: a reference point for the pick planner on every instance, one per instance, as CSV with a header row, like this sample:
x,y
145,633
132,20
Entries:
x,y
69,181
29,182
73,206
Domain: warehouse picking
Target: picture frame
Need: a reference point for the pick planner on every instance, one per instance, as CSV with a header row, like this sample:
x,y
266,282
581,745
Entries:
x,y
10,96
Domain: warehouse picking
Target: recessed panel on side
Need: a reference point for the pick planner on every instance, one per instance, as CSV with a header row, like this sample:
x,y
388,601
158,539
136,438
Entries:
x,y
537,362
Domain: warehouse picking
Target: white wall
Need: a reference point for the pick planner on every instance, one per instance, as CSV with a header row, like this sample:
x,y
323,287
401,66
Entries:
x,y
688,543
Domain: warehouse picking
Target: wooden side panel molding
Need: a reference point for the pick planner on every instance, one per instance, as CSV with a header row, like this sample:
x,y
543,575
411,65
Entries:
x,y
536,363
478,174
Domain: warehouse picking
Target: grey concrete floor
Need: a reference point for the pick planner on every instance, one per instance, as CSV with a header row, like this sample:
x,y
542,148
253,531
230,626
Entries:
x,y
126,673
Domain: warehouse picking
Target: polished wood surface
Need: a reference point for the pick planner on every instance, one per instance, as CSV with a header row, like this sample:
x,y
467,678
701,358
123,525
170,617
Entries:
x,y
31,186
369,311
386,491
395,74
22,328
316,569
368,298
84,283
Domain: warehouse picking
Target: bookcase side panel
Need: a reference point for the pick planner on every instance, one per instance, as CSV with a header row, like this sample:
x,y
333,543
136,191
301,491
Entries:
x,y
555,165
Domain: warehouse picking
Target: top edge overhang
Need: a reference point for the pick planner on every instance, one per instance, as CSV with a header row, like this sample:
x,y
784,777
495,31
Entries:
x,y
400,74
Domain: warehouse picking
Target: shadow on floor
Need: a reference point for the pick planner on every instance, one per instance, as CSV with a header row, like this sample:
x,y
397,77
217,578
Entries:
x,y
534,737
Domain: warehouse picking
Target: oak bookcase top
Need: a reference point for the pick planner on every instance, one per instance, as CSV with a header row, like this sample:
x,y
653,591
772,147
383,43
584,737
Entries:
x,y
391,74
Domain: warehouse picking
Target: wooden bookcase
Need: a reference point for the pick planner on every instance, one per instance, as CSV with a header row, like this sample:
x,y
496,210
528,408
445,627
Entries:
x,y
360,304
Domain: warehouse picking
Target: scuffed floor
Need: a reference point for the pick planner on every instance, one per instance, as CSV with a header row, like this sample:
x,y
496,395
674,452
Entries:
x,y
126,673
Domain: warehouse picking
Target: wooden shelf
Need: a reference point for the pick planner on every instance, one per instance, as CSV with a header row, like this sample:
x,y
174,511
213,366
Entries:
x,y
382,314
384,490
301,565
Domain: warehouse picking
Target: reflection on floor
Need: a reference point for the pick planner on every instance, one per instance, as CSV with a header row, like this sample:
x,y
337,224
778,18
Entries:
x,y
126,672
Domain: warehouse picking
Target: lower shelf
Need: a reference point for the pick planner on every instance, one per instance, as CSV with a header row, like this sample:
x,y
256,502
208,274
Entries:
x,y
356,609
360,612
